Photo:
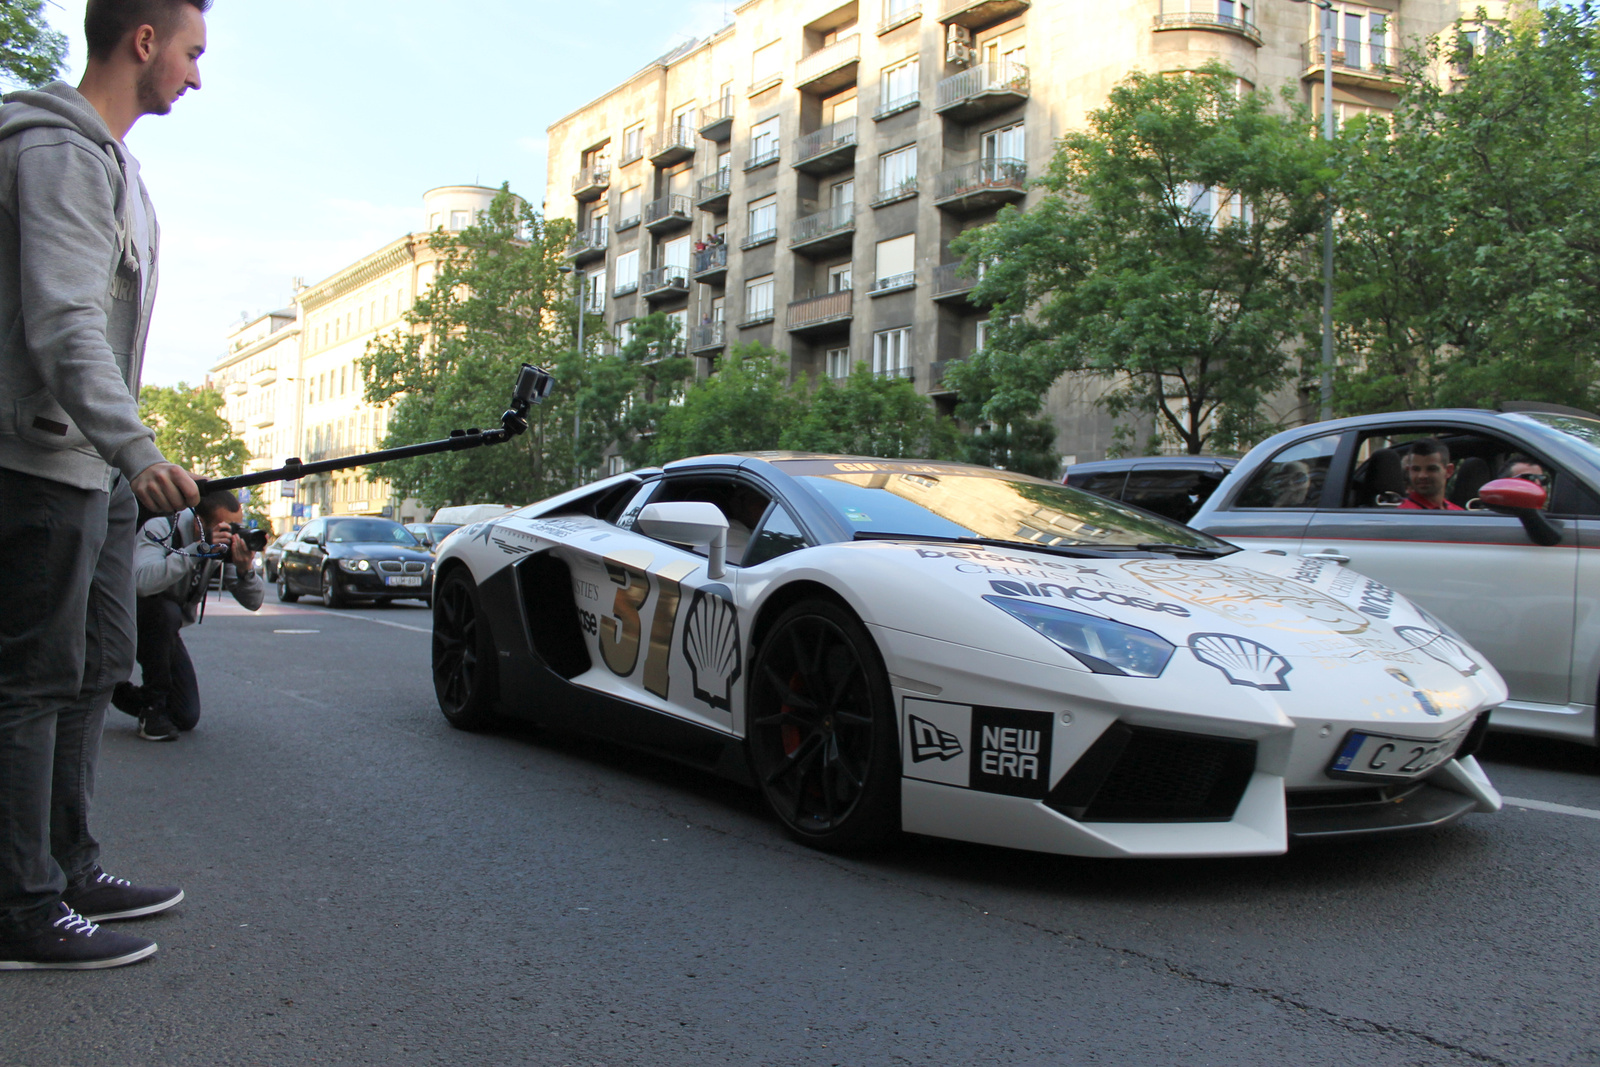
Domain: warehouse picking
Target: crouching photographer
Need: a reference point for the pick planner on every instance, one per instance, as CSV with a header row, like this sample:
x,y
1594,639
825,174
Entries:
x,y
174,562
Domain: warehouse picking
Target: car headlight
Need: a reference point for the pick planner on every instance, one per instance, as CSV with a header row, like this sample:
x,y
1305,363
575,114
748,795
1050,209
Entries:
x,y
1103,645
355,566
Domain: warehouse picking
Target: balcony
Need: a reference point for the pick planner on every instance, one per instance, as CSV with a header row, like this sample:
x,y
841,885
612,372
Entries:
x,y
717,122
664,283
625,286
673,146
757,316
263,418
238,387
1362,64
589,244
982,90
904,189
711,194
591,182
1222,19
667,213
265,374
896,105
952,284
628,217
981,14
632,148
936,372
762,155
829,69
707,337
981,186
829,149
893,283
826,231
896,372
826,314
711,265
903,13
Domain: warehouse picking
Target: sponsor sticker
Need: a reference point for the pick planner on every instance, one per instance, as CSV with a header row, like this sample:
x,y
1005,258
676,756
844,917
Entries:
x,y
993,750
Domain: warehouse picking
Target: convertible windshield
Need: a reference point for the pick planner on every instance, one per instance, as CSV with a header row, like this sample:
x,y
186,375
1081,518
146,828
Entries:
x,y
1585,432
370,530
963,502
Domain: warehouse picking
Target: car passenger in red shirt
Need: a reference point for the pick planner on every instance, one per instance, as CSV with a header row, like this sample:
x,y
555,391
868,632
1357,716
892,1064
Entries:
x,y
1428,471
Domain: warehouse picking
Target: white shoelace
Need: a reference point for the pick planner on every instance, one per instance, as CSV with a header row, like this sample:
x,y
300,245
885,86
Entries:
x,y
73,923
105,879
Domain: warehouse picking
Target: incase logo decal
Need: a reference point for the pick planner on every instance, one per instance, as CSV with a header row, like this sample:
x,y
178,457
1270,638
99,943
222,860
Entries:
x,y
929,742
1012,753
1079,592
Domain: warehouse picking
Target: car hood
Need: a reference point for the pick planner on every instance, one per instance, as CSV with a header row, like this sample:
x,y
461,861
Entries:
x,y
376,550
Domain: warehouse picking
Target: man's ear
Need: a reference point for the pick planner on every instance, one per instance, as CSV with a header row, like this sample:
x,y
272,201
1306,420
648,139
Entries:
x,y
144,43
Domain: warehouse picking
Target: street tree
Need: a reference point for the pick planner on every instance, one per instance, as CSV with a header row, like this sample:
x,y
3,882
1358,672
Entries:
x,y
1469,252
31,53
745,407
869,415
624,395
190,429
1171,256
497,300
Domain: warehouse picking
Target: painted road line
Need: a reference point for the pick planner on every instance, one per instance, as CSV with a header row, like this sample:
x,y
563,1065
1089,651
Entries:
x,y
1559,809
363,618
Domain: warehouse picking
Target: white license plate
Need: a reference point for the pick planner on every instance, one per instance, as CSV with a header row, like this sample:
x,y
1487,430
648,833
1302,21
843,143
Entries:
x,y
1365,755
403,581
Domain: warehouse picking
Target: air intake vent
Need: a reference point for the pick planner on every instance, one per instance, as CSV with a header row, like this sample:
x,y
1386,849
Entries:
x,y
1141,774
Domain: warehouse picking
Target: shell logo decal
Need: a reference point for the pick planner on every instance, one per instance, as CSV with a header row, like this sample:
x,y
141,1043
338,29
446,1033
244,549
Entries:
x,y
1241,660
711,645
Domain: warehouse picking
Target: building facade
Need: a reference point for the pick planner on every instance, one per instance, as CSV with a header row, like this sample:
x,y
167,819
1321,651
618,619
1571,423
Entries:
x,y
292,386
796,178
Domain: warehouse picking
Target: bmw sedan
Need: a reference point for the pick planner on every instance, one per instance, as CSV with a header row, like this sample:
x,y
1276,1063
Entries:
x,y
345,559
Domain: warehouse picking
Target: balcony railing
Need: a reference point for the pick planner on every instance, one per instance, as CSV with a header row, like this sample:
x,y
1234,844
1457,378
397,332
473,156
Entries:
x,y
899,16
1369,59
664,281
897,105
893,283
901,190
952,279
716,123
756,315
625,286
986,183
826,149
761,155
820,311
813,72
983,89
673,146
835,220
1208,20
936,373
710,259
760,237
707,335
895,372
666,211
712,192
633,150
590,242
590,182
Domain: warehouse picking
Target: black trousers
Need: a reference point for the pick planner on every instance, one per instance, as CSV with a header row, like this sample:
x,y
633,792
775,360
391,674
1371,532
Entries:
x,y
169,679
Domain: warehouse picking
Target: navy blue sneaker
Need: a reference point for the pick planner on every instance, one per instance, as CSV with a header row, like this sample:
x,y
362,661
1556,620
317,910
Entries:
x,y
103,898
73,943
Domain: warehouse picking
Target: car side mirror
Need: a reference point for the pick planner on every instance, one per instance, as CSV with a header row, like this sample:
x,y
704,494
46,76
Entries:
x,y
312,539
689,522
1524,499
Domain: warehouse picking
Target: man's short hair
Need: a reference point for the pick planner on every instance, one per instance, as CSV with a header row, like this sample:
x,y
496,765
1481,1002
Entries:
x,y
1514,459
213,503
107,22
1430,446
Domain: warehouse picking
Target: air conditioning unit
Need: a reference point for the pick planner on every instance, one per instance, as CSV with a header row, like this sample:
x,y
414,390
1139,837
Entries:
x,y
958,35
959,54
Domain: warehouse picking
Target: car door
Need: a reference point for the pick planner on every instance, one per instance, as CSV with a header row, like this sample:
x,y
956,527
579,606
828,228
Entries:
x,y
1476,570
293,562
1271,505
663,633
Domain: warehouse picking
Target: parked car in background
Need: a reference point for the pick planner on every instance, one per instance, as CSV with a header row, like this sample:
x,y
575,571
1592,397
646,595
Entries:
x,y
431,533
345,559
270,556
1173,486
1331,492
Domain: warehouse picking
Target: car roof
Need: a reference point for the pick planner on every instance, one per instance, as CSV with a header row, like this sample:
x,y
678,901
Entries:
x,y
1133,463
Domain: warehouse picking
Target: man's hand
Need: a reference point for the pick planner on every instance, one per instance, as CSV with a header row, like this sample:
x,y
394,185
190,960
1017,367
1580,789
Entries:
x,y
239,553
165,488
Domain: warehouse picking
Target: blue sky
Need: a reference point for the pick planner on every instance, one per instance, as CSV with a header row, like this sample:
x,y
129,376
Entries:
x,y
320,125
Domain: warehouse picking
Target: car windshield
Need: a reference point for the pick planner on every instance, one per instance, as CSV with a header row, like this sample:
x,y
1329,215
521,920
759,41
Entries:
x,y
933,500
1585,432
437,530
347,530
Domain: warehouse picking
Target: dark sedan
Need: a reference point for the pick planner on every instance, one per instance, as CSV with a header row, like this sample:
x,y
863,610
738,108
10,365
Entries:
x,y
1172,486
345,559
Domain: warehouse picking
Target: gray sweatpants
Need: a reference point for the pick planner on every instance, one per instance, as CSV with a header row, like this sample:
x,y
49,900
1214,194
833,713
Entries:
x,y
66,638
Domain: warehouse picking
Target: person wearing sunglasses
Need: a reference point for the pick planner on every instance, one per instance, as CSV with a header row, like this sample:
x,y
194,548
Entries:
x,y
1518,465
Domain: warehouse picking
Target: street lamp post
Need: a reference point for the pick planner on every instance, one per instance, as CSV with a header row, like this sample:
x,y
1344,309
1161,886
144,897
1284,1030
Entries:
x,y
1326,407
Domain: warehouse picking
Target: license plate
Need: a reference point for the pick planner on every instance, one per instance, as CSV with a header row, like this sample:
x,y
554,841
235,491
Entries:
x,y
404,581
1365,755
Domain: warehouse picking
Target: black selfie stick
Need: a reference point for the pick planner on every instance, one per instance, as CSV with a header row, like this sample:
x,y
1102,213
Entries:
x,y
533,385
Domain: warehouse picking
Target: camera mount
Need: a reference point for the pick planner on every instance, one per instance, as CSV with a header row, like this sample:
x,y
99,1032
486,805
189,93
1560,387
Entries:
x,y
533,385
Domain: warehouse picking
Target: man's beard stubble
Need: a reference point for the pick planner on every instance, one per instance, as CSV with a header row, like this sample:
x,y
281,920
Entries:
x,y
151,102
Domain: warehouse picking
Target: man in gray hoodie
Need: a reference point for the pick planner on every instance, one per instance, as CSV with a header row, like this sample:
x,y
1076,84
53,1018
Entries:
x,y
78,243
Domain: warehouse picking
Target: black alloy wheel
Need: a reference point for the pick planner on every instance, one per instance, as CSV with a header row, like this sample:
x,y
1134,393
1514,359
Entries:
x,y
822,735
464,658
285,594
332,595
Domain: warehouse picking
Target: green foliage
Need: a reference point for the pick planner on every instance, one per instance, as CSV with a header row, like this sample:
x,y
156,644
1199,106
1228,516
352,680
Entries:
x,y
744,408
1191,311
31,53
869,415
190,429
1469,243
624,396
498,300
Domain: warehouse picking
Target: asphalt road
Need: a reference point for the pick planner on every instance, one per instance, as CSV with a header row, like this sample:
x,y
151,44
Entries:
x,y
368,886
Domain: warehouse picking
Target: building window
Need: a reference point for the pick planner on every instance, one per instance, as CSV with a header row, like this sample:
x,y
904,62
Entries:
x,y
896,263
625,333
679,318
839,278
765,63
891,351
616,465
758,299
632,143
460,220
627,272
594,288
628,208
763,142
838,362
683,123
899,86
763,225
1008,142
897,172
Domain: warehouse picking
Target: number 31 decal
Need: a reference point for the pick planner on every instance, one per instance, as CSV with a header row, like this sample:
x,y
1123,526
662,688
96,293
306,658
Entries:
x,y
620,632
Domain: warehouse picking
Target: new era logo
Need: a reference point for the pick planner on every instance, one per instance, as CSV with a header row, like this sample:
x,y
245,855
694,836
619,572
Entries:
x,y
928,741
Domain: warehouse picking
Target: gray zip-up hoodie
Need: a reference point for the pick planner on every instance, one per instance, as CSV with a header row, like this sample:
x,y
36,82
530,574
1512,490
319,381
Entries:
x,y
170,566
72,321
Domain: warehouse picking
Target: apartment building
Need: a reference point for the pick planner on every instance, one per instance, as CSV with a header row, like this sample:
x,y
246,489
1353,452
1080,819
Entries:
x,y
797,177
291,384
